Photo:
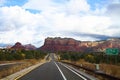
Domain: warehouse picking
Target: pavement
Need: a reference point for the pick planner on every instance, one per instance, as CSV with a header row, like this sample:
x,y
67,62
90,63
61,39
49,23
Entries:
x,y
19,74
51,70
56,71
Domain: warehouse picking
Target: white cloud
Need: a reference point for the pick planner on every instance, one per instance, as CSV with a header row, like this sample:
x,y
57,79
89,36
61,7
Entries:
x,y
77,6
87,24
113,11
43,5
18,24
115,1
71,6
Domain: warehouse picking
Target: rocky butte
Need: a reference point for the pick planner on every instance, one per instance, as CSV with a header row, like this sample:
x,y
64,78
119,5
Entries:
x,y
19,46
69,44
29,47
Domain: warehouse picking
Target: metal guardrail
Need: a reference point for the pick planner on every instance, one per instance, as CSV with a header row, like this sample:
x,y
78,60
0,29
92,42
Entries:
x,y
100,73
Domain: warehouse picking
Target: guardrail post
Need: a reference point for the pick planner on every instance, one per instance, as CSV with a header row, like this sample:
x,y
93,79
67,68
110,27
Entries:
x,y
81,65
97,66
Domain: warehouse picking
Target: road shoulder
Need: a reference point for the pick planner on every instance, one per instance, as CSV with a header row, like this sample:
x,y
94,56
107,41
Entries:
x,y
21,73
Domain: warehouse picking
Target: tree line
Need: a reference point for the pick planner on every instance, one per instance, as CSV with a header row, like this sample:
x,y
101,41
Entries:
x,y
10,54
95,57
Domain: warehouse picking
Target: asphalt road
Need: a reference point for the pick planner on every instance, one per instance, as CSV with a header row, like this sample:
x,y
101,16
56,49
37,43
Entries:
x,y
53,71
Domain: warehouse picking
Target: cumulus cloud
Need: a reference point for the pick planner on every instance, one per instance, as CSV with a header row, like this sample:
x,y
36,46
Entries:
x,y
68,18
113,11
68,6
19,24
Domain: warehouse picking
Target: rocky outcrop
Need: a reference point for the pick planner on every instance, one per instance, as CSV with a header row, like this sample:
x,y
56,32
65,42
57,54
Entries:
x,y
59,44
110,43
29,47
19,46
69,44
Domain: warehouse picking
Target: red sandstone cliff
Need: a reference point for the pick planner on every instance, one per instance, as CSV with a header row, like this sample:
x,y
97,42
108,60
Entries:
x,y
69,44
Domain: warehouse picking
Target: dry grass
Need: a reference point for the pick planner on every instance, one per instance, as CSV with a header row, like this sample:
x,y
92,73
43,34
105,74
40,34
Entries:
x,y
113,70
86,64
13,69
2,62
110,69
16,68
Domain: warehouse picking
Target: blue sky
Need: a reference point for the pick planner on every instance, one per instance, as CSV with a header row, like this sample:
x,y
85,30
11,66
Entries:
x,y
31,21
100,3
14,2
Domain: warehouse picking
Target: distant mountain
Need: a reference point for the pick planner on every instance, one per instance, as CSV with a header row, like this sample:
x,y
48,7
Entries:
x,y
69,44
29,47
19,46
8,46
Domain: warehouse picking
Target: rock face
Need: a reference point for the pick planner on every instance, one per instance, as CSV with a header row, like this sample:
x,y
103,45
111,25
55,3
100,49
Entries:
x,y
19,46
110,43
60,44
69,44
29,47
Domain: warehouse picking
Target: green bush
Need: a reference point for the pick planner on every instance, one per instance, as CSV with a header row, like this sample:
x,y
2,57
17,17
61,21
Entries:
x,y
8,54
90,57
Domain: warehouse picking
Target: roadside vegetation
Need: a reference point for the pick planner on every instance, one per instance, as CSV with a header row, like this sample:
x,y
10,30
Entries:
x,y
26,57
110,64
15,68
10,55
91,57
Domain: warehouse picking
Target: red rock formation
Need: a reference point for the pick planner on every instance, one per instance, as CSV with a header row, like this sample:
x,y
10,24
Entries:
x,y
18,46
29,47
61,44
69,44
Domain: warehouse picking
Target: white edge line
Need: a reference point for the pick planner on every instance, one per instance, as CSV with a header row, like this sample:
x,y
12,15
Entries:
x,y
79,72
61,72
74,72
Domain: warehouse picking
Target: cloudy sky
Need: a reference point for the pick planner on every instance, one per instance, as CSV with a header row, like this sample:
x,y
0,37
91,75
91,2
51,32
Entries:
x,y
31,21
